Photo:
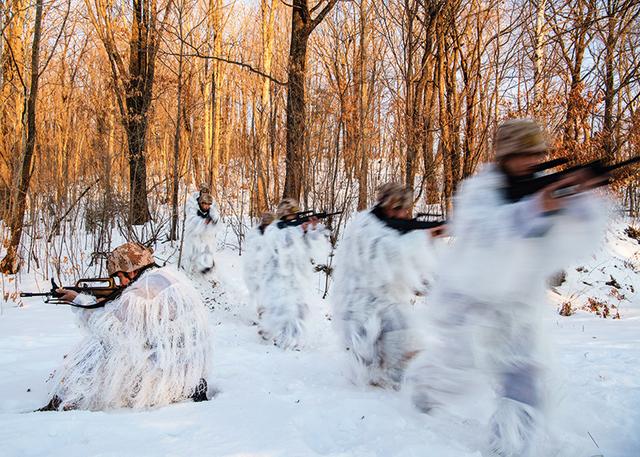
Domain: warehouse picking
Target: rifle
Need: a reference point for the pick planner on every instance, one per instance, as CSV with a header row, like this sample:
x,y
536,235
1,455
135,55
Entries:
x,y
405,226
305,216
521,188
98,287
549,164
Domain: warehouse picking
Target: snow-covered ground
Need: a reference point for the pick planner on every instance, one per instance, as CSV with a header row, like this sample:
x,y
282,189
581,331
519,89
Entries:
x,y
275,403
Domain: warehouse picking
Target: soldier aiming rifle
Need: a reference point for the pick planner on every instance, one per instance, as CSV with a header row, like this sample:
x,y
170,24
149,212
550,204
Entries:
x,y
285,266
383,259
147,345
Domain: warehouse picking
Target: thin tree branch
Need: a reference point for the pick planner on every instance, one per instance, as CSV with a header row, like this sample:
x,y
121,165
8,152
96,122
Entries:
x,y
251,68
55,44
314,22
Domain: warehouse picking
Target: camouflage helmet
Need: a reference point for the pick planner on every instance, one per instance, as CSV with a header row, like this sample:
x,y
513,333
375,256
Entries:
x,y
205,196
519,136
205,199
129,257
394,195
266,218
287,207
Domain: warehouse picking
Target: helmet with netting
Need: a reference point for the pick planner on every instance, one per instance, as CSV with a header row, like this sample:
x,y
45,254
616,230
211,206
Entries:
x,y
287,207
205,197
394,195
519,136
129,257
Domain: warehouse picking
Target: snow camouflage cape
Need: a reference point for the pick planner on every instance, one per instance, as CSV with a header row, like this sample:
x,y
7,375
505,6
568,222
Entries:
x,y
199,238
148,347
489,298
286,281
378,271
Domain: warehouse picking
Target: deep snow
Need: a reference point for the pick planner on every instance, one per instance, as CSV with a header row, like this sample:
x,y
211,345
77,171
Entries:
x,y
276,403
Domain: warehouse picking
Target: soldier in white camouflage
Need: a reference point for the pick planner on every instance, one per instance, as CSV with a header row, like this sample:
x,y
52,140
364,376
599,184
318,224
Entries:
x,y
147,346
202,224
487,331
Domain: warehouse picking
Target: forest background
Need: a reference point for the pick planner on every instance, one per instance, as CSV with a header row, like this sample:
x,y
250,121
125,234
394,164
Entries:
x,y
112,111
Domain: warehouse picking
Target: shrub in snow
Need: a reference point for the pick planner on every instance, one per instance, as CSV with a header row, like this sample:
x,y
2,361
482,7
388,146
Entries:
x,y
566,309
633,232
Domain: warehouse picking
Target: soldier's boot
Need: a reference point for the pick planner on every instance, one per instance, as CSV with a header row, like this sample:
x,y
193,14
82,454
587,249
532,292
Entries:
x,y
200,392
53,405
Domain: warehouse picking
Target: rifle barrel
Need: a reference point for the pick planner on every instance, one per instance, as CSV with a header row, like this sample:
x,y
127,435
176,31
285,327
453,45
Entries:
x,y
305,216
624,163
35,294
325,214
550,164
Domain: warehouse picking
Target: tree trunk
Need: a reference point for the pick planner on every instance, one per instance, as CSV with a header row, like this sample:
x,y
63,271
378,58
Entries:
x,y
453,117
449,140
609,82
363,96
10,263
267,8
12,90
430,172
137,102
302,24
138,95
215,23
538,56
581,24
173,235
296,106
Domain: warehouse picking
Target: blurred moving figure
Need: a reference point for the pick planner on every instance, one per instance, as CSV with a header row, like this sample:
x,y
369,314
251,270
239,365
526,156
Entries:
x,y
286,273
381,262
492,289
201,227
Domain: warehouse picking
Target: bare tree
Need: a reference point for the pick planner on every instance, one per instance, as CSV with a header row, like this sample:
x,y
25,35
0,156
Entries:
x,y
173,234
303,23
538,55
267,13
132,83
572,23
10,263
12,90
213,89
617,19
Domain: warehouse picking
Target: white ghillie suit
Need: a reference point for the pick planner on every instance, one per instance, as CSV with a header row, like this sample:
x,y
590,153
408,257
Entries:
x,y
148,347
199,238
378,271
489,299
286,281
